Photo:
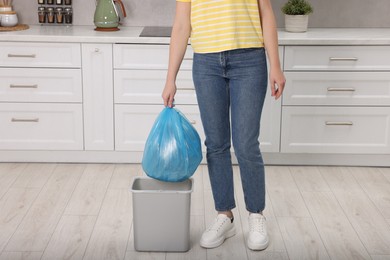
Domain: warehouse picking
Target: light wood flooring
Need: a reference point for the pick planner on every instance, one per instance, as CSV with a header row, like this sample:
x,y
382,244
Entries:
x,y
84,211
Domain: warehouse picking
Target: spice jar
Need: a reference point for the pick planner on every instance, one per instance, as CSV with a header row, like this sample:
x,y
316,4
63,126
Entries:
x,y
58,2
59,15
50,15
68,2
68,13
41,2
42,14
50,2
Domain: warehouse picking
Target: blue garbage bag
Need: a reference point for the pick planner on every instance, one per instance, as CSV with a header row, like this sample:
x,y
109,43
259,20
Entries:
x,y
173,149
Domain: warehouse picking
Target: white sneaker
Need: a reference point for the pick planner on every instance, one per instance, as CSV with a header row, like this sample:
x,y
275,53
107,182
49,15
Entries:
x,y
221,229
258,237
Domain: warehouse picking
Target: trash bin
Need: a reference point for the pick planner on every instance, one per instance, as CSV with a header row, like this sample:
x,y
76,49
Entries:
x,y
161,215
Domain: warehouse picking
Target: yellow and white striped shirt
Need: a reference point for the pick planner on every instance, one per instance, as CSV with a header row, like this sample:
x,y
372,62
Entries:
x,y
220,25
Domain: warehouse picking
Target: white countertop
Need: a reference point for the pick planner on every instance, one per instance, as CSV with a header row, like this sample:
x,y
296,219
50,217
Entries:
x,y
86,34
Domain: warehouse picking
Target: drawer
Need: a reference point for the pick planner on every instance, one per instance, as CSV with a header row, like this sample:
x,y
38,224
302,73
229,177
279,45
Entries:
x,y
40,85
136,56
335,88
354,130
22,54
134,122
146,86
337,58
41,126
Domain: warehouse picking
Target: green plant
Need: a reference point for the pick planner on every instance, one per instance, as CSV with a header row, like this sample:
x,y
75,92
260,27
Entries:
x,y
297,7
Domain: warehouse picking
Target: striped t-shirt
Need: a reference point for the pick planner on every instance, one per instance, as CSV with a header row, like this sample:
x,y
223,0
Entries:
x,y
220,25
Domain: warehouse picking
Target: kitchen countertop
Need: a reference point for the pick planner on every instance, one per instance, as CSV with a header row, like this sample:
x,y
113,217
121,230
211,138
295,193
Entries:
x,y
86,34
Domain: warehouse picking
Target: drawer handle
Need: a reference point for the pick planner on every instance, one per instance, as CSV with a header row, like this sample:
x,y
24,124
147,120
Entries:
x,y
21,55
185,88
341,89
23,86
348,123
188,58
343,59
193,122
33,120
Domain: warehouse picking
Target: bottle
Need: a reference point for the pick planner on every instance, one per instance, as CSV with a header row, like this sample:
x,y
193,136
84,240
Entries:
x,y
50,15
68,13
42,14
59,15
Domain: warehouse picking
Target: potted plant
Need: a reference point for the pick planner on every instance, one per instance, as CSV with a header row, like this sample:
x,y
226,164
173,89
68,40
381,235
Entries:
x,y
296,15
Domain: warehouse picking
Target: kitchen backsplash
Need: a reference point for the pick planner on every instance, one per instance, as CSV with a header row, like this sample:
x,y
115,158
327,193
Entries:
x,y
330,13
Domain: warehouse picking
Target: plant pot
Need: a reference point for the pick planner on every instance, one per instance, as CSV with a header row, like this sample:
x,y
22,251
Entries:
x,y
296,23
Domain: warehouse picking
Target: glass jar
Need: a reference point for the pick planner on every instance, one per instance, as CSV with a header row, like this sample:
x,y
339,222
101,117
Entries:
x,y
50,15
68,15
59,15
42,14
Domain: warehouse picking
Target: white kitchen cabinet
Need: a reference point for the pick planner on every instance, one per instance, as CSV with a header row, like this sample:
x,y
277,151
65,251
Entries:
x,y
145,87
146,56
337,89
352,130
40,54
40,96
337,100
40,85
98,102
339,58
134,122
42,126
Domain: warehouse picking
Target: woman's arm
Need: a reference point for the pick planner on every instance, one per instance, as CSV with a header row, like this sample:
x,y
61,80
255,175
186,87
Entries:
x,y
179,39
270,35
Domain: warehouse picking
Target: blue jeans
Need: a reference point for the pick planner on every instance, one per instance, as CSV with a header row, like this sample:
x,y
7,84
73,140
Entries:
x,y
231,88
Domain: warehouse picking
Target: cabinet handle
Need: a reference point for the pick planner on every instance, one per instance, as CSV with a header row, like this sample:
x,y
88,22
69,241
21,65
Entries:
x,y
341,89
343,59
348,123
23,86
185,88
21,55
188,58
34,120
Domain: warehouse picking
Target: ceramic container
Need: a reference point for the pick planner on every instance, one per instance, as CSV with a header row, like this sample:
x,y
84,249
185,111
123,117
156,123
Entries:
x,y
9,19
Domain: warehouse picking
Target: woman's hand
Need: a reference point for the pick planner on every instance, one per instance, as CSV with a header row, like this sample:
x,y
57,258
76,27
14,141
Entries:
x,y
168,94
277,81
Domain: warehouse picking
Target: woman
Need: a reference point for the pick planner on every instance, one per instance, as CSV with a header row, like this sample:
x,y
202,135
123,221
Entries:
x,y
230,78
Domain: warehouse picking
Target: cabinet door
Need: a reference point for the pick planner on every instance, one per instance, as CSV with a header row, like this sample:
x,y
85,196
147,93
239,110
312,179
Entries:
x,y
40,85
146,56
49,55
337,88
98,96
134,122
146,86
355,130
25,126
337,58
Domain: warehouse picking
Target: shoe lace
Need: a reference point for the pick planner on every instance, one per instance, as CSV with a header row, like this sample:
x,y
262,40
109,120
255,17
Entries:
x,y
217,224
257,225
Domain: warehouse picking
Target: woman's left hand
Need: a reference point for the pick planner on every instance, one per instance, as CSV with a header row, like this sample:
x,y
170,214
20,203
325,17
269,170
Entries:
x,y
277,81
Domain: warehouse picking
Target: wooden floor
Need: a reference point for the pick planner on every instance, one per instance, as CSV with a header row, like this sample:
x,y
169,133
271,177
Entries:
x,y
84,211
